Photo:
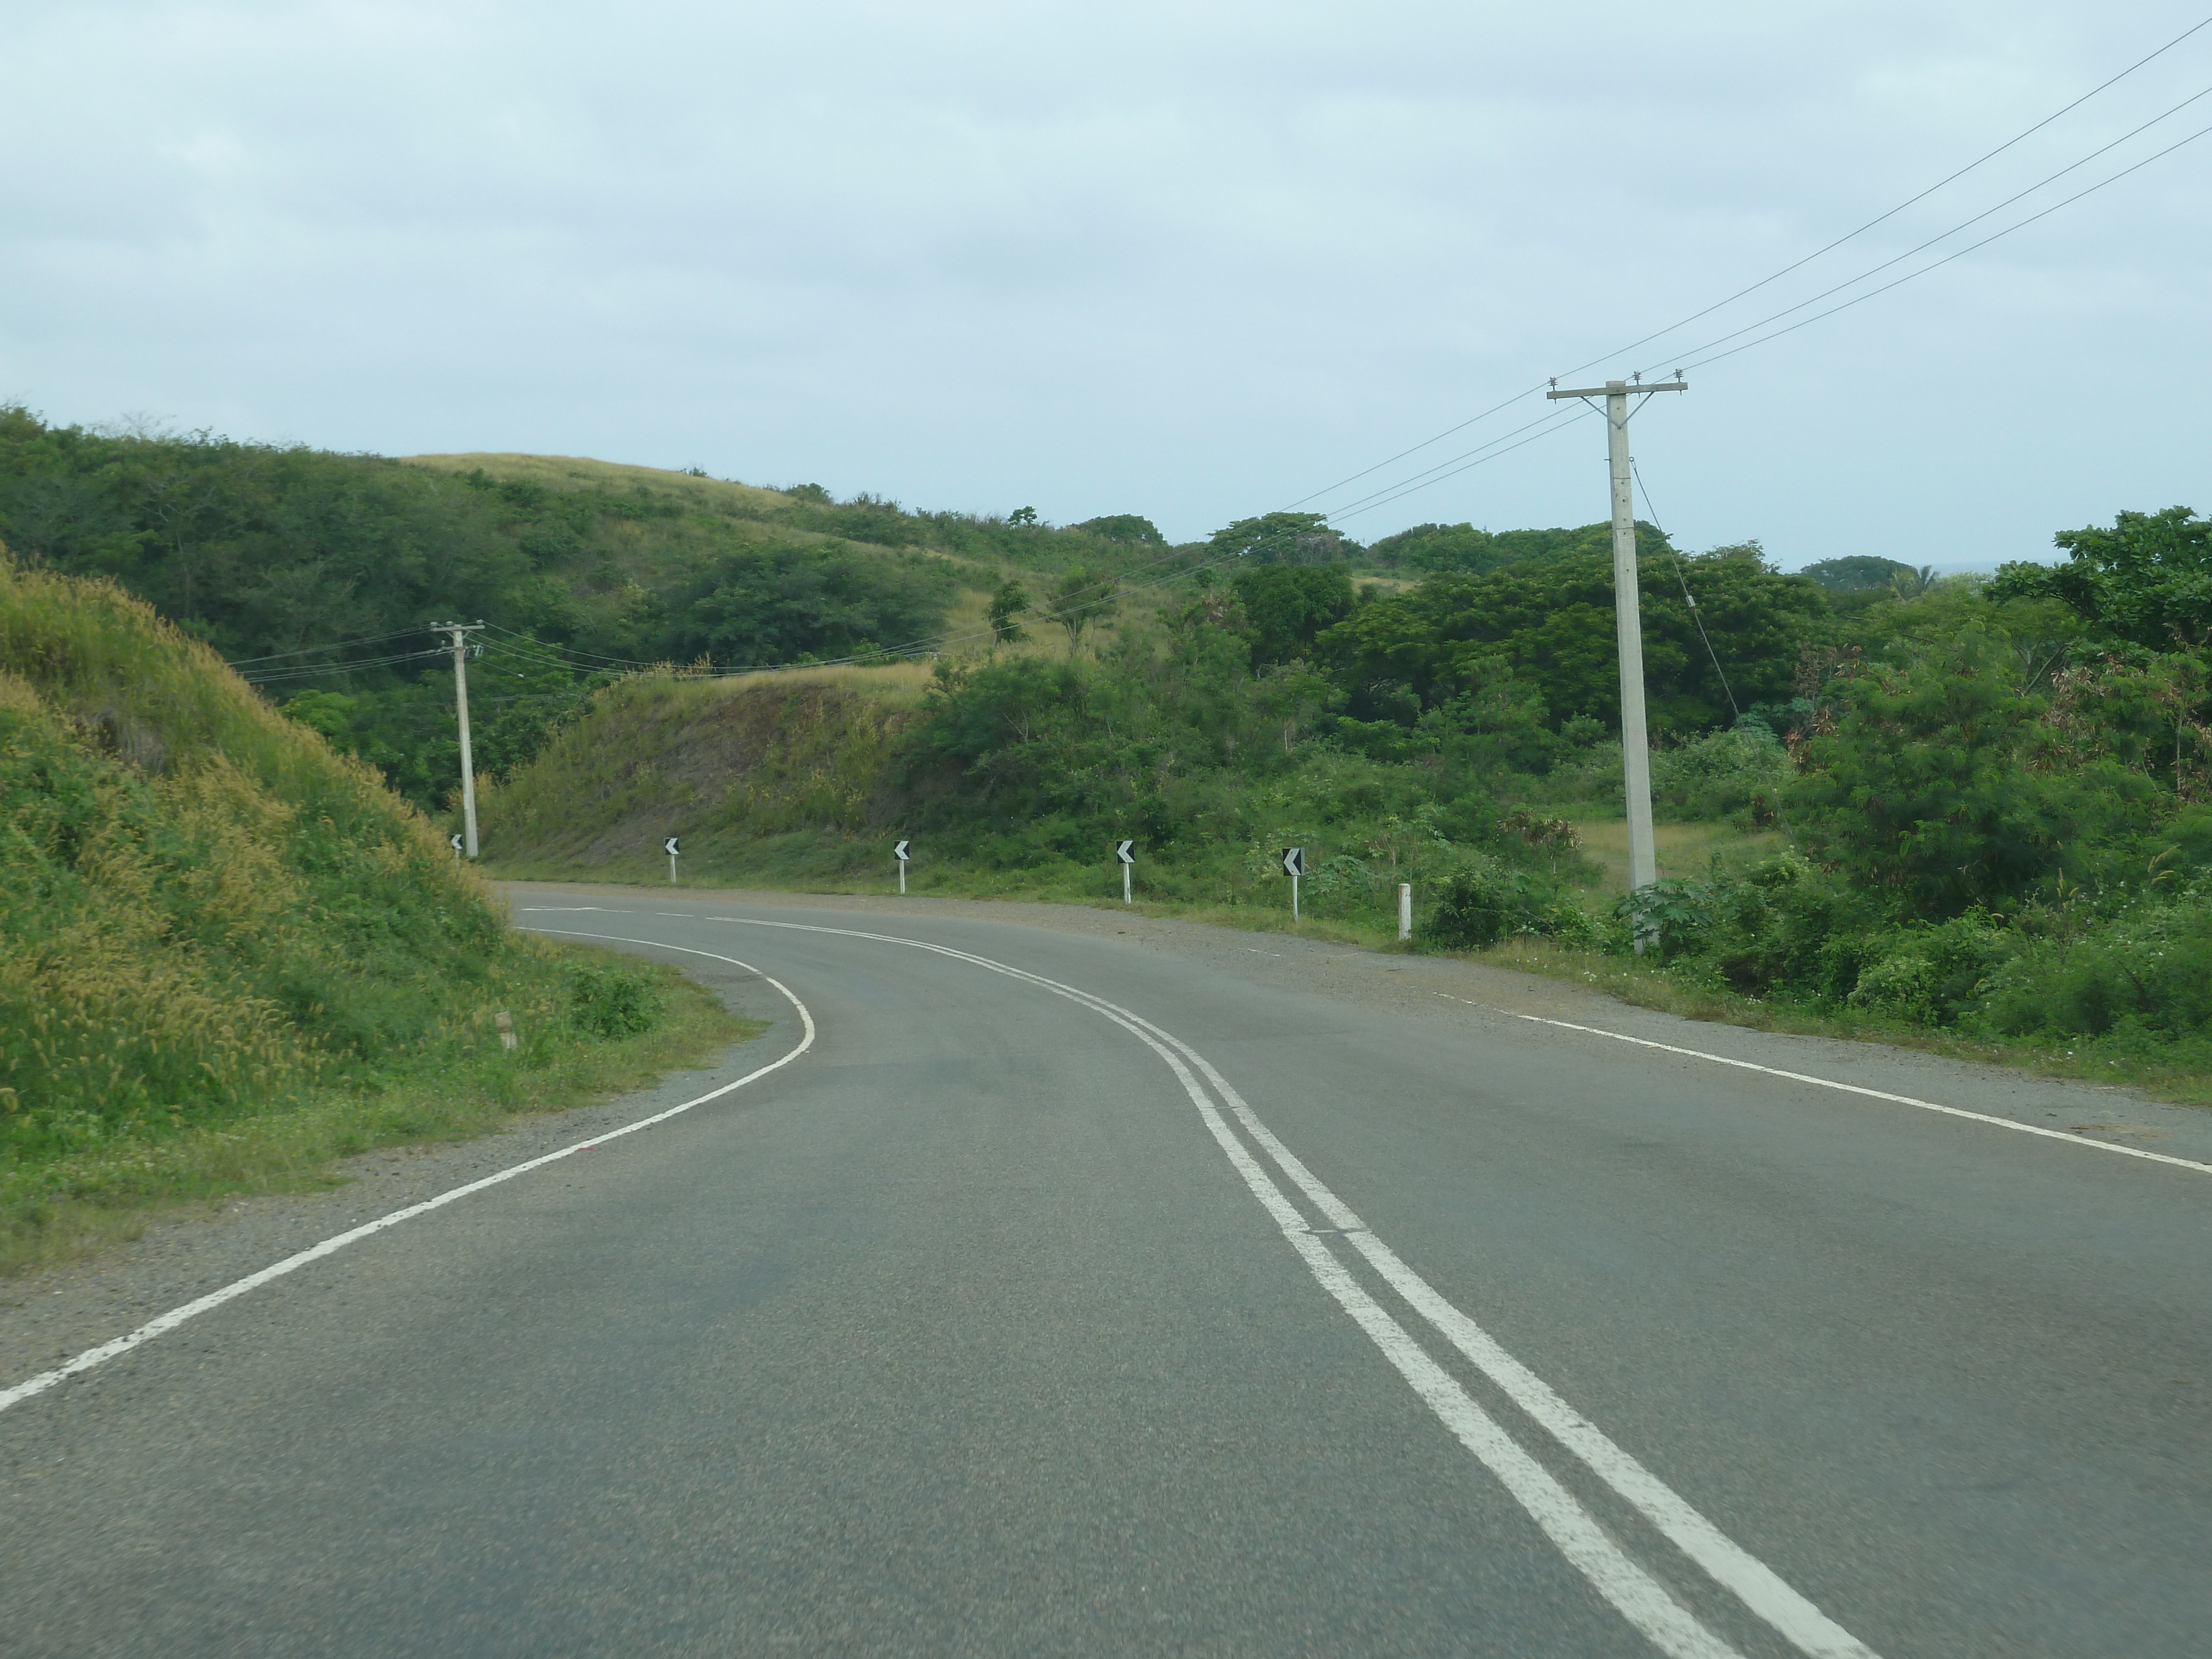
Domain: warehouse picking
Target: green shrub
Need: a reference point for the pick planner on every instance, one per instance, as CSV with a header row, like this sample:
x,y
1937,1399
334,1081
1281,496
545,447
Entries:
x,y
2149,965
1736,774
1481,904
613,1002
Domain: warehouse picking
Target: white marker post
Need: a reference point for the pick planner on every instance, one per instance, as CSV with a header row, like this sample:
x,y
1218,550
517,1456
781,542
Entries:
x,y
1404,909
1127,852
456,840
1294,866
901,854
669,847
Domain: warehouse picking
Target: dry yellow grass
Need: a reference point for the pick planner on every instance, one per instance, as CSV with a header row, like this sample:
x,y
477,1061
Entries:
x,y
900,683
569,472
1683,849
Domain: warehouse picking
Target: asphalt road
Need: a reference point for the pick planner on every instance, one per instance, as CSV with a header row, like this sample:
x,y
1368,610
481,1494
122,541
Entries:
x,y
1103,1293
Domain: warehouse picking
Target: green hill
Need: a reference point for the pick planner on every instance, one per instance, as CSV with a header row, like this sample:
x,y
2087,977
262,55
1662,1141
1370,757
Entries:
x,y
317,572
231,952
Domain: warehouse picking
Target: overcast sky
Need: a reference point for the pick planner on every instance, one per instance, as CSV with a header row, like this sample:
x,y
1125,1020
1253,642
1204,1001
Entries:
x,y
1194,261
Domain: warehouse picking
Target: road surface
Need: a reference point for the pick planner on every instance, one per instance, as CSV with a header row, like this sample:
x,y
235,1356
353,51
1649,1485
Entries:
x,y
1100,1294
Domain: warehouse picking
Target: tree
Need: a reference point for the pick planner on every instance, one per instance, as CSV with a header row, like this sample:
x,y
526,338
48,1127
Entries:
x,y
2147,580
1280,538
1079,600
1287,607
1125,527
1943,786
1461,547
1021,515
1856,572
1007,604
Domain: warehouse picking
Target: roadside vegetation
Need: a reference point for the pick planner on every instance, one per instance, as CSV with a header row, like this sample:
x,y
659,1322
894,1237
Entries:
x,y
1952,811
234,954
1968,813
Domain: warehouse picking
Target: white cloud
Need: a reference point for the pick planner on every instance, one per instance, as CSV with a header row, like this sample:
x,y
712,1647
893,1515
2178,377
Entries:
x,y
1190,264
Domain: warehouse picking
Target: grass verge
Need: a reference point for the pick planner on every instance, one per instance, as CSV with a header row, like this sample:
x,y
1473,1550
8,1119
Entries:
x,y
2176,1076
55,1210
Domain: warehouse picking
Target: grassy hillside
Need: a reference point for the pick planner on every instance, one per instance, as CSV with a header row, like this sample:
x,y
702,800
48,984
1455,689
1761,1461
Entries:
x,y
316,572
231,952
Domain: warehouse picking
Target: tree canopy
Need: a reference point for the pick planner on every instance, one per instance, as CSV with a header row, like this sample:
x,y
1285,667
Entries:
x,y
1281,538
2147,580
1551,623
1859,573
1462,549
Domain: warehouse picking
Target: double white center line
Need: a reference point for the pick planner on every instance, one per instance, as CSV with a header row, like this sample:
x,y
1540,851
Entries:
x,y
1638,1595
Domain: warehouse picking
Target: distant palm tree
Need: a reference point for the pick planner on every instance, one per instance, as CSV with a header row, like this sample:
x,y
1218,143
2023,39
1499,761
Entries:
x,y
1910,585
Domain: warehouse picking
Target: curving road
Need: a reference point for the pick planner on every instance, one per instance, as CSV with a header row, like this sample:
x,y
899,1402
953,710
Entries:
x,y
1029,1291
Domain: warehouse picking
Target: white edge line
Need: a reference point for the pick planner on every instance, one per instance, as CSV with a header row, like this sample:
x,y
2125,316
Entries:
x,y
2059,1135
169,1321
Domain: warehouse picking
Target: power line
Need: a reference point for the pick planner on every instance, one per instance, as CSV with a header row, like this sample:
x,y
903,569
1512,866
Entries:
x,y
1963,224
272,677
1881,217
1776,276
1470,421
1558,426
336,645
1360,501
1408,486
1938,265
1689,599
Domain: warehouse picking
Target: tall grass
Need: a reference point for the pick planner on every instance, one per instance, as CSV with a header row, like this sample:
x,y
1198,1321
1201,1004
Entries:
x,y
210,917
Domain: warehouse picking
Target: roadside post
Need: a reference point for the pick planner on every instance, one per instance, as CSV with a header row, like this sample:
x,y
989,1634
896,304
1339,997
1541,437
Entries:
x,y
1294,866
669,848
1404,909
1127,852
901,854
455,838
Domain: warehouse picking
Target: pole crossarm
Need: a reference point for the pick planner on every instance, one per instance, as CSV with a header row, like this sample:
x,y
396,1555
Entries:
x,y
1616,387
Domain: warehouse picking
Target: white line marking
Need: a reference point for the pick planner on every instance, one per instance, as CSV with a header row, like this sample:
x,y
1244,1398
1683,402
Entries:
x,y
2188,1164
1639,1598
1753,1581
176,1317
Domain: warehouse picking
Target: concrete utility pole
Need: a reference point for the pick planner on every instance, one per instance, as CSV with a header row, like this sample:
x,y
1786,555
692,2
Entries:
x,y
1628,625
459,633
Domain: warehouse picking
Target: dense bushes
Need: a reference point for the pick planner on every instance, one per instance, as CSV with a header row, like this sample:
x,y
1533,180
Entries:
x,y
1550,622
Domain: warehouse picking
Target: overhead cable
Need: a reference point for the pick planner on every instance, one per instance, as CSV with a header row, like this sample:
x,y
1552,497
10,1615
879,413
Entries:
x,y
1689,599
336,645
1410,490
1908,201
1937,265
1874,270
273,676
1776,276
